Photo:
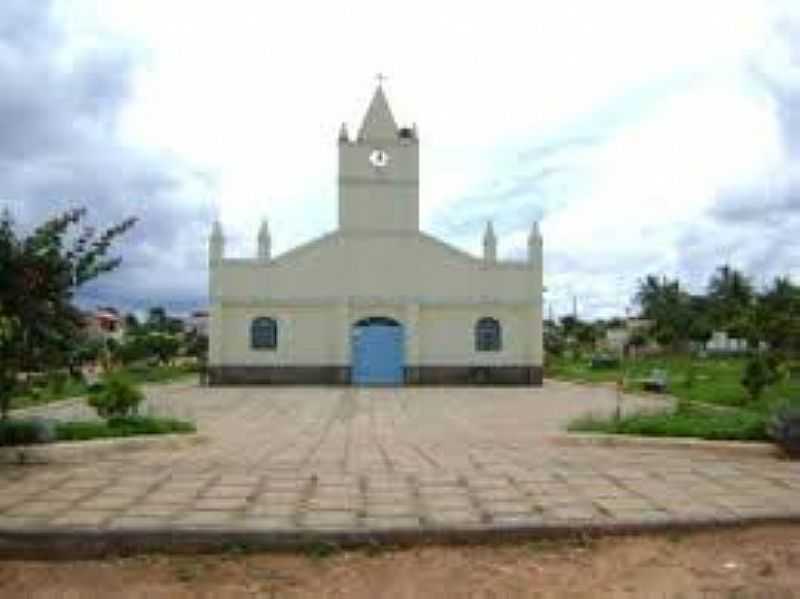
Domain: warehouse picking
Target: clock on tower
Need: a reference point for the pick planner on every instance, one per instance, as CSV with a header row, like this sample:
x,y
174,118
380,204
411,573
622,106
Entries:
x,y
379,173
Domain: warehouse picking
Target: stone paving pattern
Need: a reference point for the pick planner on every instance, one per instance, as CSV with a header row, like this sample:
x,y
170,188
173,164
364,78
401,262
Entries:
x,y
321,459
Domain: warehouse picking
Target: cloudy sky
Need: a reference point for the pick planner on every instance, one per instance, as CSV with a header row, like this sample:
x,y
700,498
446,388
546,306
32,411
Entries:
x,y
647,136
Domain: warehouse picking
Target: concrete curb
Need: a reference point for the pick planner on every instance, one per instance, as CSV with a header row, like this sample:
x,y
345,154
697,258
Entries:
x,y
75,543
742,448
81,451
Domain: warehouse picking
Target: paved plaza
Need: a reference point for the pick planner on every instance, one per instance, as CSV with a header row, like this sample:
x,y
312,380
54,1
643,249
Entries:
x,y
416,459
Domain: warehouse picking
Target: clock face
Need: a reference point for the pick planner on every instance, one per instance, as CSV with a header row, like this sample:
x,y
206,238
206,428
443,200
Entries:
x,y
379,158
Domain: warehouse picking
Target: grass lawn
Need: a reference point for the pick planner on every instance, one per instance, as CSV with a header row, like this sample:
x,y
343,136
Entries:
x,y
709,380
27,431
120,427
688,420
72,388
699,383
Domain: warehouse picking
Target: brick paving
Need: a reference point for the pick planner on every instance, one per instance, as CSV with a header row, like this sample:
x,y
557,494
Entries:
x,y
421,459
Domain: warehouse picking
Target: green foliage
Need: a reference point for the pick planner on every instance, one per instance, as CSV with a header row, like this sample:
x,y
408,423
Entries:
x,y
41,393
84,351
163,346
637,340
729,305
777,318
157,319
320,550
669,307
731,296
604,362
39,273
759,373
582,332
120,427
26,432
117,397
156,346
714,380
142,373
687,420
554,343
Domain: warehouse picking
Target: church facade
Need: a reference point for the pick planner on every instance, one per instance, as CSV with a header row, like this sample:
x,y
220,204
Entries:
x,y
377,301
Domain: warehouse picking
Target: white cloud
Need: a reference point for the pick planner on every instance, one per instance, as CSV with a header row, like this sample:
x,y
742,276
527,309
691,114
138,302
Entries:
x,y
255,91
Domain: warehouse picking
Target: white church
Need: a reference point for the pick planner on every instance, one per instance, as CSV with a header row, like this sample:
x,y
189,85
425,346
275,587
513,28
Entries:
x,y
376,301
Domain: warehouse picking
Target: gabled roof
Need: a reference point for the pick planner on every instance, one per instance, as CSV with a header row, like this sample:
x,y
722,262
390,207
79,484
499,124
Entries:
x,y
378,123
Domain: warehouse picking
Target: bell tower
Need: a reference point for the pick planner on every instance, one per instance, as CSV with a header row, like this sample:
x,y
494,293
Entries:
x,y
379,173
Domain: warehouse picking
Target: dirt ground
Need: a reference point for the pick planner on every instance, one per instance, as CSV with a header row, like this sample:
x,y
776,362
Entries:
x,y
756,562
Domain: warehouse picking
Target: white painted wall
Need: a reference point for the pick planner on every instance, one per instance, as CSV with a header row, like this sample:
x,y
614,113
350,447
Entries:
x,y
399,266
320,335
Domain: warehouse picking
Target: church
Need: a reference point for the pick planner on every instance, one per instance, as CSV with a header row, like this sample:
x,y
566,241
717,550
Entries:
x,y
376,301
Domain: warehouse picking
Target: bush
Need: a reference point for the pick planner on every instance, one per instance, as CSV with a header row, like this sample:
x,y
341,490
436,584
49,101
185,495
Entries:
x,y
784,429
759,373
26,432
600,362
686,421
117,397
57,383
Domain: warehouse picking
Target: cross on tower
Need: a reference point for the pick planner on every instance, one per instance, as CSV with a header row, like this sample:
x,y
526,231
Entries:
x,y
381,78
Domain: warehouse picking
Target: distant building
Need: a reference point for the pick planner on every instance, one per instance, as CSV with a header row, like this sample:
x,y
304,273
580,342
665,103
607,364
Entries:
x,y
198,323
104,323
618,338
720,343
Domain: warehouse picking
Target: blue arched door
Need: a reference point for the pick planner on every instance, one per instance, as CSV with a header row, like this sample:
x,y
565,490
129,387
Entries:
x,y
378,352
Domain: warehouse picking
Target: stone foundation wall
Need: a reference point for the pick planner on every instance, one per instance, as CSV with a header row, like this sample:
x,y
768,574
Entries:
x,y
474,375
279,375
341,375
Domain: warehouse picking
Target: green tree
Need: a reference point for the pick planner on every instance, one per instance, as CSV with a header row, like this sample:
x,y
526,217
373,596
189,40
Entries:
x,y
777,316
669,307
157,319
131,323
700,328
163,346
39,274
759,373
731,302
569,326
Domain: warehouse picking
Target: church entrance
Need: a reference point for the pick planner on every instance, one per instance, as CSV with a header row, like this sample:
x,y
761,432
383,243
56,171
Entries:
x,y
378,352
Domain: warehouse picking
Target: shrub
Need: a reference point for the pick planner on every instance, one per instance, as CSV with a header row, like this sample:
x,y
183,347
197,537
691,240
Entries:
x,y
57,382
759,373
784,429
604,362
686,421
26,432
121,427
117,397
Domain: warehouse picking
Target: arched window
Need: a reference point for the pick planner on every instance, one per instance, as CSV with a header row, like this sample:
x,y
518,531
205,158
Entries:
x,y
488,335
263,333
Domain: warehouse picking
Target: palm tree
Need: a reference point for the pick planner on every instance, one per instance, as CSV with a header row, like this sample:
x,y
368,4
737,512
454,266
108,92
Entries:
x,y
731,299
668,306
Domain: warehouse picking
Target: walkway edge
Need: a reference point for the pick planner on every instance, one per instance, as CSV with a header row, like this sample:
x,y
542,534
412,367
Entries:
x,y
71,452
71,544
745,448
